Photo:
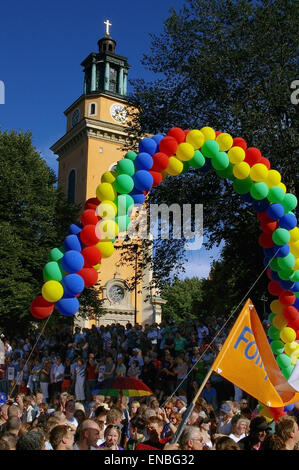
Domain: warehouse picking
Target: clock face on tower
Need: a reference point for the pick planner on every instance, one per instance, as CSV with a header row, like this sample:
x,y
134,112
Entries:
x,y
118,113
116,293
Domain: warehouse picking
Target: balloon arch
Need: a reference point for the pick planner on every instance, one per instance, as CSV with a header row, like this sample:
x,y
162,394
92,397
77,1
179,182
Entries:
x,y
74,266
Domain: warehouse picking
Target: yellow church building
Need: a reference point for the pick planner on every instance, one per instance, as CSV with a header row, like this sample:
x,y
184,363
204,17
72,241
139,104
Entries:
x,y
95,134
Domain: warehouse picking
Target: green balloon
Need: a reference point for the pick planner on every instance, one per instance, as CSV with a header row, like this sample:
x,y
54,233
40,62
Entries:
x,y
123,184
274,265
220,161
186,166
242,186
56,254
289,202
259,191
284,274
131,155
283,360
287,262
210,148
270,317
124,203
125,167
281,236
273,333
227,172
198,160
287,371
295,276
52,272
123,222
296,294
276,194
277,346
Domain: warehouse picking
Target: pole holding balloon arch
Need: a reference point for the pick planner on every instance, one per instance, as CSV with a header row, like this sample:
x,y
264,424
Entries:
x,y
74,266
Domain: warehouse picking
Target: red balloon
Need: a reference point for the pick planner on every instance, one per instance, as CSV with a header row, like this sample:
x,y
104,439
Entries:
x,y
160,161
88,235
275,288
252,156
89,275
291,313
277,413
89,217
92,256
239,142
40,308
263,217
287,297
168,145
294,324
269,274
157,177
269,227
92,203
178,134
218,133
265,162
265,240
187,131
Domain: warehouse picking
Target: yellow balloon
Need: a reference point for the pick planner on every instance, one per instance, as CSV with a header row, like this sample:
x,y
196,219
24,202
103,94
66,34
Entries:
x,y
107,229
296,265
225,141
175,166
52,291
289,348
105,191
279,322
276,307
294,234
185,151
266,413
236,155
274,178
208,132
259,172
295,248
287,335
97,266
195,138
108,177
241,170
283,186
106,248
294,356
107,210
164,174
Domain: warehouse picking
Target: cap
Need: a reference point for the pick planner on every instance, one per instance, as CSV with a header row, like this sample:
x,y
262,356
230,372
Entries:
x,y
225,408
259,424
202,414
79,406
182,398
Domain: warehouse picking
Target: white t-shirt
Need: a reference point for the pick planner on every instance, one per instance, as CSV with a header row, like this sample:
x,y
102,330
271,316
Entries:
x,y
235,438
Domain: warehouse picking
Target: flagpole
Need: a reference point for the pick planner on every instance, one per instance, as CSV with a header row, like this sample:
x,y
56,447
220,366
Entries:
x,y
189,410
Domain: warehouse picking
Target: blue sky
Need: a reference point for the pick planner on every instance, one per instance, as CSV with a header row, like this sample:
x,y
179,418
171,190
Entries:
x,y
42,46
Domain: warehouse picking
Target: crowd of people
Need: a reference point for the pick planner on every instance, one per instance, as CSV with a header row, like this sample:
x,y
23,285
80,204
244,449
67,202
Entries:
x,y
51,393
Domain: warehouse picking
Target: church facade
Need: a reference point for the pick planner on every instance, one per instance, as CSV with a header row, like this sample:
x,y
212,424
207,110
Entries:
x,y
95,135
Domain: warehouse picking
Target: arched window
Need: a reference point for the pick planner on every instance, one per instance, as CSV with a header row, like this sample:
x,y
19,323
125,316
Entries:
x,y
71,187
92,111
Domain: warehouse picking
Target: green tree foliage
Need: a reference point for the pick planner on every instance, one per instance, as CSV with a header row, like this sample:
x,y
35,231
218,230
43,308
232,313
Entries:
x,y
227,64
34,218
183,299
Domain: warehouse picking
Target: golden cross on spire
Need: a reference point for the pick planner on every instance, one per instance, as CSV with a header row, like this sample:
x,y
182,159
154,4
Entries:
x,y
108,24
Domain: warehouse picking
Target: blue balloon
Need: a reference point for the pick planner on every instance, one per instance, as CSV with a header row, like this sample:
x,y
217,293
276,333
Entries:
x,y
289,408
72,242
148,145
246,197
275,211
260,206
73,284
266,260
295,288
274,276
287,285
143,180
270,252
3,398
75,229
143,161
67,306
296,303
288,221
138,196
207,166
157,138
283,250
72,261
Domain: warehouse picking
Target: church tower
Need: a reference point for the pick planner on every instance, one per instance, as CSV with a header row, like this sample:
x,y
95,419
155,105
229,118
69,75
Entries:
x,y
95,133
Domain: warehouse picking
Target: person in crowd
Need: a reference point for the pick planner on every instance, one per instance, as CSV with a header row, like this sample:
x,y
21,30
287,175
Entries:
x,y
91,376
32,440
239,428
286,428
134,370
79,380
191,439
70,411
62,437
224,420
154,428
226,443
209,393
89,433
204,424
258,431
181,370
10,439
136,432
112,436
120,370
56,376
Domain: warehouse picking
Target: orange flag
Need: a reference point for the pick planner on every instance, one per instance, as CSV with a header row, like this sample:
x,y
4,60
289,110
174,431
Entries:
x,y
247,361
